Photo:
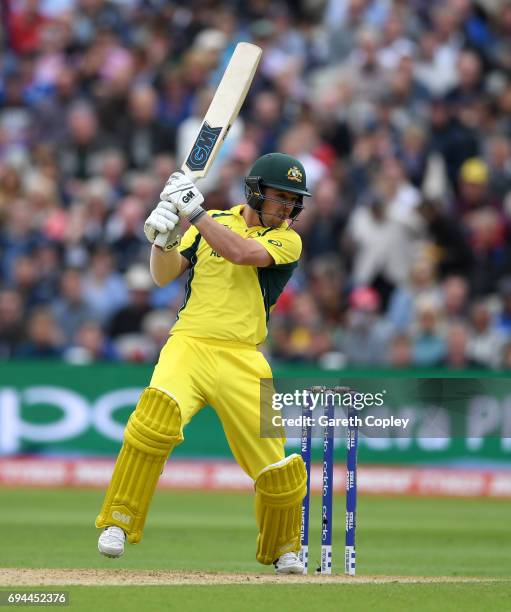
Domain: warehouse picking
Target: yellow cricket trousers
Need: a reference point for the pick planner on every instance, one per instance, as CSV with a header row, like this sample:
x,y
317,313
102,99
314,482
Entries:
x,y
227,376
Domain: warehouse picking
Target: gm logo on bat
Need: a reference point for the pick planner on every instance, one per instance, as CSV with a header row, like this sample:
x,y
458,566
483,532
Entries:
x,y
203,146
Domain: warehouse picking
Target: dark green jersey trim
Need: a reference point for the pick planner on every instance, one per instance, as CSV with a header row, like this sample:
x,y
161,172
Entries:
x,y
272,281
192,249
191,254
268,230
221,215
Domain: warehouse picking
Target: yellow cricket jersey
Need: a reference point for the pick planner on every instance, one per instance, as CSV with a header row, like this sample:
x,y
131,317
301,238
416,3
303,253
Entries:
x,y
226,301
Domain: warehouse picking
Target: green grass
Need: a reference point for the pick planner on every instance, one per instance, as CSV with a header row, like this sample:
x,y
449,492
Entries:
x,y
216,532
286,598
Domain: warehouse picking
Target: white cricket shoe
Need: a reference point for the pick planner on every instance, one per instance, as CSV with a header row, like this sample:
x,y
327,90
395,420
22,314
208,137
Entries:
x,y
289,563
111,542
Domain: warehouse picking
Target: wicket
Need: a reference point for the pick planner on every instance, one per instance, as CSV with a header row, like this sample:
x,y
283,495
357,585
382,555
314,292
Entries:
x,y
327,485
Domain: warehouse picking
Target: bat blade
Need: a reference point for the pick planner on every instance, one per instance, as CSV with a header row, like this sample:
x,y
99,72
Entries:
x,y
223,110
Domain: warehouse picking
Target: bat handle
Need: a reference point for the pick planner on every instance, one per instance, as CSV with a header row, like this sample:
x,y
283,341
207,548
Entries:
x,y
183,170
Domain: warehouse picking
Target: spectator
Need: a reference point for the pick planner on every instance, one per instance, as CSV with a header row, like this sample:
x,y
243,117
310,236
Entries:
x,y
451,138
504,316
400,353
422,283
104,288
90,345
470,86
267,115
10,188
302,337
501,49
127,233
27,281
435,67
505,358
449,240
473,184
402,196
142,134
47,256
457,355
83,142
110,166
327,288
51,108
455,298
445,22
414,154
366,337
156,325
176,101
499,159
11,322
362,70
128,319
485,341
428,344
406,92
18,235
323,234
381,245
70,308
491,254
44,337
25,27
91,210
16,120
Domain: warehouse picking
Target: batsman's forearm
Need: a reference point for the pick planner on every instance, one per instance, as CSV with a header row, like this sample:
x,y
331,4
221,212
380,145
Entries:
x,y
229,245
165,265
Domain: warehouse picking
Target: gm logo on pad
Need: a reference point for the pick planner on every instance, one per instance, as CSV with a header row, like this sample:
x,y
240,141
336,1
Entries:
x,y
122,518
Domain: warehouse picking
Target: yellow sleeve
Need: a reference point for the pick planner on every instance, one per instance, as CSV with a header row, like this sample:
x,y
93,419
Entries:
x,y
284,245
189,242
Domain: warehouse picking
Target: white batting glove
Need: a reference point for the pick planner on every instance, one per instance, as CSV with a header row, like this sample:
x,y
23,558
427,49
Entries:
x,y
171,239
181,191
162,226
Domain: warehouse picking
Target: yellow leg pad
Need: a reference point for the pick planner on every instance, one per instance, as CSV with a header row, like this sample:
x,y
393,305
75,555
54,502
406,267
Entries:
x,y
152,431
280,489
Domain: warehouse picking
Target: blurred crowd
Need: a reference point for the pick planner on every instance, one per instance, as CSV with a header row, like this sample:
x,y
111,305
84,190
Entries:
x,y
399,110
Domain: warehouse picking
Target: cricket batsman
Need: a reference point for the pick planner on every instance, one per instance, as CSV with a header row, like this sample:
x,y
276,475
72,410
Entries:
x,y
238,263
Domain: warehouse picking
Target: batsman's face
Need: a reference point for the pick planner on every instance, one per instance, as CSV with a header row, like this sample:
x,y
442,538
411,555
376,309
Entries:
x,y
277,206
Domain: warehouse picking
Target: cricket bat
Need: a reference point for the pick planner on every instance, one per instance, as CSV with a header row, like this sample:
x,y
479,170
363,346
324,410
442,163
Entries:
x,y
223,110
